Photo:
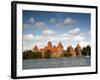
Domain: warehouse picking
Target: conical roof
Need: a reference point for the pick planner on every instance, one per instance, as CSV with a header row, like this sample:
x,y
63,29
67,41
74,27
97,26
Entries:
x,y
35,47
78,45
60,44
49,44
54,46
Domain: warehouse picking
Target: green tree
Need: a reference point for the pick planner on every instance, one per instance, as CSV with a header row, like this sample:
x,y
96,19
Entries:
x,y
66,53
47,54
37,55
28,54
86,51
69,51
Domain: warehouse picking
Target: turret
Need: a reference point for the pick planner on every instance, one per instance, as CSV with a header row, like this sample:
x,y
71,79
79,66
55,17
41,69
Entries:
x,y
60,47
35,49
78,50
49,44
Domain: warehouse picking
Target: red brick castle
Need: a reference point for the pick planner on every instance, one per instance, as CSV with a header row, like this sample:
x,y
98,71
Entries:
x,y
58,49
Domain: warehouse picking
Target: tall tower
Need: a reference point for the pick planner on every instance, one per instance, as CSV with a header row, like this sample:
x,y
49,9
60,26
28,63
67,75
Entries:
x,y
78,50
35,49
49,45
60,47
70,51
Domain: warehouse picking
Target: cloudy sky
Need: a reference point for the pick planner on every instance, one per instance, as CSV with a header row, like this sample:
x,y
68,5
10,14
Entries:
x,y
39,27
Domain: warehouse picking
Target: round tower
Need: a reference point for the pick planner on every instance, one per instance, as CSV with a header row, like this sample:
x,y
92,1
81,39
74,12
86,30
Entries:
x,y
35,49
49,44
78,50
60,47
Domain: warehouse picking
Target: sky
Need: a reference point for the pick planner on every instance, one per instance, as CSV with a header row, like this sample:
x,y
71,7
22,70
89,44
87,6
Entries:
x,y
39,27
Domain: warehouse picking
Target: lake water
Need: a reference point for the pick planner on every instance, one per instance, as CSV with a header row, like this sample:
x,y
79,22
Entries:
x,y
56,62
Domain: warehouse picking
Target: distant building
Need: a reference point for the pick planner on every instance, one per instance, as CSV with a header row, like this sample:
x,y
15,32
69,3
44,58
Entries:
x,y
53,49
59,49
35,49
78,50
71,51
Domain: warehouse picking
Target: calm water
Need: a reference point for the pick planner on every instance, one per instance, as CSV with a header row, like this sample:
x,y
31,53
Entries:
x,y
56,63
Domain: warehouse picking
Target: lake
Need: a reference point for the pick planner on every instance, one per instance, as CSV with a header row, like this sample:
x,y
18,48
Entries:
x,y
56,62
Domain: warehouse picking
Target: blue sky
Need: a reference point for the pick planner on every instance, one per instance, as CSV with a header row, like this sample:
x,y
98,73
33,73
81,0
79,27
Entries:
x,y
40,27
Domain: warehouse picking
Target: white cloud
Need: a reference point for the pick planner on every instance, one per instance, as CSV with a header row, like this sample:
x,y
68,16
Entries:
x,y
28,37
83,34
35,24
27,41
40,25
62,23
27,45
69,21
84,43
79,38
75,31
38,37
26,25
48,31
53,20
31,20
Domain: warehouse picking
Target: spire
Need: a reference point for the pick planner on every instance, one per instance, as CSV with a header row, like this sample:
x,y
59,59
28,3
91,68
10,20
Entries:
x,y
49,44
60,44
35,48
54,46
78,50
78,45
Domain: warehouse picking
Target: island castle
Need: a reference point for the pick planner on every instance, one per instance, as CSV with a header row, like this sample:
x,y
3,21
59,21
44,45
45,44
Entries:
x,y
59,49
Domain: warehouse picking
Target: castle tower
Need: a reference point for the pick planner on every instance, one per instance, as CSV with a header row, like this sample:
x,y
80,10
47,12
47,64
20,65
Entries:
x,y
60,47
35,49
49,45
78,50
70,51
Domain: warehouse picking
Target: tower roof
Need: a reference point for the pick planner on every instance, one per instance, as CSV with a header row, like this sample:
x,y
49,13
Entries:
x,y
49,44
78,45
35,47
60,44
54,46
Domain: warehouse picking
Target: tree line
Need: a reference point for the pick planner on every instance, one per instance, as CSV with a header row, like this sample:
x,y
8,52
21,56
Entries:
x,y
29,54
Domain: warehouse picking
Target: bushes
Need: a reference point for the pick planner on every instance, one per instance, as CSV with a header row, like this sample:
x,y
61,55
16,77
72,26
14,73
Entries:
x,y
56,55
86,51
28,54
66,54
47,54
37,55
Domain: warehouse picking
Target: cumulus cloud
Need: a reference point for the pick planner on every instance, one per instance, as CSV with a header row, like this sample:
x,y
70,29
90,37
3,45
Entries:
x,y
69,21
28,37
27,41
84,43
27,45
79,38
62,23
31,20
48,31
40,25
38,37
26,25
53,20
75,31
35,24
